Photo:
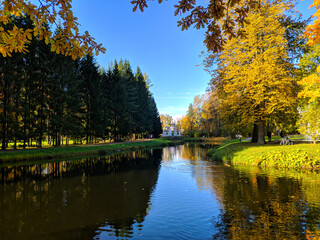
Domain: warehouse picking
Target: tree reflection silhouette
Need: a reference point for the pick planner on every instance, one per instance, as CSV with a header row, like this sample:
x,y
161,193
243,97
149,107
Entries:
x,y
78,199
258,206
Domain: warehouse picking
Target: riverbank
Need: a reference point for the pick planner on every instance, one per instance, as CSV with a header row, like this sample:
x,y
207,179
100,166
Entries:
x,y
299,156
83,150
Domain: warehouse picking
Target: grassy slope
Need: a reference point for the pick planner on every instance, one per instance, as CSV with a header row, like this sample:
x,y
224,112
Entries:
x,y
59,152
303,156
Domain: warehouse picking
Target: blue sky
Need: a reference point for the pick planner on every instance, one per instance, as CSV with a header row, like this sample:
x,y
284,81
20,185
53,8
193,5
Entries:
x,y
152,41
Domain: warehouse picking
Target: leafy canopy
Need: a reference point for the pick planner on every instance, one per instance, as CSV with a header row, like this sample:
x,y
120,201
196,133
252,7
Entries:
x,y
311,84
309,123
67,41
223,19
253,77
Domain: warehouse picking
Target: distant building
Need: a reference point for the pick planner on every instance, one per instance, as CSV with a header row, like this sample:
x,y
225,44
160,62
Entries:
x,y
172,131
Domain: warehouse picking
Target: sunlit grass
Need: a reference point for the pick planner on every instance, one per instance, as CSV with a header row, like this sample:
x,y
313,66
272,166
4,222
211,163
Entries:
x,y
45,144
76,150
270,155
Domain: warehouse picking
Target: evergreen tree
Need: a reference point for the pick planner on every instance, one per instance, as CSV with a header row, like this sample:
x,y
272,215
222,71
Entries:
x,y
106,98
142,103
131,95
118,107
156,129
46,94
91,96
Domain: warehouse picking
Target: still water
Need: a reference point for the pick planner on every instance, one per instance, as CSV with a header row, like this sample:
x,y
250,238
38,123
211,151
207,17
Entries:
x,y
170,193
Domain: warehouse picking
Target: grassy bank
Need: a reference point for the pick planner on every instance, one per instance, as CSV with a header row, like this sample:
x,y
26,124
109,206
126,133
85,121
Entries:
x,y
83,150
299,156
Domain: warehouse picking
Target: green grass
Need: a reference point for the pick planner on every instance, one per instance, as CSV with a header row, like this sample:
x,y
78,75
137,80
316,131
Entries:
x,y
100,149
186,139
299,156
34,144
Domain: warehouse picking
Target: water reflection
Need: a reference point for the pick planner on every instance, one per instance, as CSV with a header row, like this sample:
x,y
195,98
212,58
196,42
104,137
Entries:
x,y
188,151
170,193
255,203
77,199
266,204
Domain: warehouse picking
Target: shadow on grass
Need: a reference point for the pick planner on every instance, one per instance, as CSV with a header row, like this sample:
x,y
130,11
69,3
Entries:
x,y
227,151
83,150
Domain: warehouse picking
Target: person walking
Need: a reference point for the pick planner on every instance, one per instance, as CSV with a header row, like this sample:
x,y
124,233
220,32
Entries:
x,y
239,136
283,141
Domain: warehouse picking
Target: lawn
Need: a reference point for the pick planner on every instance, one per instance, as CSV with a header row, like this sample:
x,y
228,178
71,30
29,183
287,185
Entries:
x,y
299,156
76,150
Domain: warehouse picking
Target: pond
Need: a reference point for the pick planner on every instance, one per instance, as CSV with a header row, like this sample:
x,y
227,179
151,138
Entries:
x,y
169,193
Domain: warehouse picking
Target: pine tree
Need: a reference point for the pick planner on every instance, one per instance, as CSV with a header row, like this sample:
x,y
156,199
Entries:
x,y
156,127
132,95
92,94
118,106
142,103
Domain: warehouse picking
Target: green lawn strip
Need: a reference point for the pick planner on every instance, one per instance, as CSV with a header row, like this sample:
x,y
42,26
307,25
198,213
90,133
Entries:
x,y
300,156
298,138
187,139
59,152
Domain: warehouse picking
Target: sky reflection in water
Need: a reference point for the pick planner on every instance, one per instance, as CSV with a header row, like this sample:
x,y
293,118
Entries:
x,y
170,193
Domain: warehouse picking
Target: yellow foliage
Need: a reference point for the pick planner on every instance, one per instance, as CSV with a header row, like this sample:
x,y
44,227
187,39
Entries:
x,y
254,81
311,84
313,30
68,41
188,124
309,123
310,88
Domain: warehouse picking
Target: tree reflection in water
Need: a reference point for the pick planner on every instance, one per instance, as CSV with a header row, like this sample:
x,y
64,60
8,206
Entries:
x,y
256,203
263,205
111,197
77,199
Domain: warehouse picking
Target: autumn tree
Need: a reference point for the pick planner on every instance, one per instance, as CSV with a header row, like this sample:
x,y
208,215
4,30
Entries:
x,y
211,122
222,19
252,76
188,122
310,83
309,95
312,31
309,62
309,122
166,120
69,41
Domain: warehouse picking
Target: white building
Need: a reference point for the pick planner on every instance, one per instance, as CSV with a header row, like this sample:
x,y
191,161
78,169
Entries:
x,y
172,131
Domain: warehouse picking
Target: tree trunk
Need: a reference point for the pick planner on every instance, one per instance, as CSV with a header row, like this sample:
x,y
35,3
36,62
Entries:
x,y
255,133
4,120
260,126
232,135
4,129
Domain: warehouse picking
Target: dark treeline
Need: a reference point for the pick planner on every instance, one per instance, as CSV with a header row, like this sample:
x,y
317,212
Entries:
x,y
48,96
